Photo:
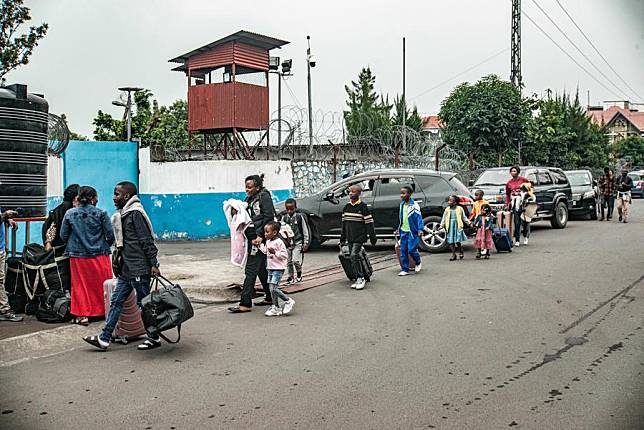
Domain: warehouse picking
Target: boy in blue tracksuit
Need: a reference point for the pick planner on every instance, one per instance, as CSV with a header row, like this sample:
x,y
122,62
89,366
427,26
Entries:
x,y
411,230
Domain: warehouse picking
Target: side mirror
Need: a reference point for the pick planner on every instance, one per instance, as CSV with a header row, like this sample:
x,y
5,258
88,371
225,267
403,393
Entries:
x,y
471,183
329,196
594,182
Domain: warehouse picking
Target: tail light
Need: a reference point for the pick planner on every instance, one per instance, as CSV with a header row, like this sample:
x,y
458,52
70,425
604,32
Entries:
x,y
464,200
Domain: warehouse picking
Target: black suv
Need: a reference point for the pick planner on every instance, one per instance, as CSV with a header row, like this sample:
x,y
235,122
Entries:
x,y
551,187
381,192
585,193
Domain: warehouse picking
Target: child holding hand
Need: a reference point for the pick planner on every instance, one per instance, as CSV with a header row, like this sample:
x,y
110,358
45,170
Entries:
x,y
276,261
484,224
453,222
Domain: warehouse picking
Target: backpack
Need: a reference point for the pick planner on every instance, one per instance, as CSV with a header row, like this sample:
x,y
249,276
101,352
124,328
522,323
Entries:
x,y
287,235
55,307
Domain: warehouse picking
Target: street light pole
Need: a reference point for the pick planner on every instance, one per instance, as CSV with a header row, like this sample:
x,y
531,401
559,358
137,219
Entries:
x,y
279,109
308,69
128,108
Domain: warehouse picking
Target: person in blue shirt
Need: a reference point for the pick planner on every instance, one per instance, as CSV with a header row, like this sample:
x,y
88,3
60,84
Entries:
x,y
411,228
6,314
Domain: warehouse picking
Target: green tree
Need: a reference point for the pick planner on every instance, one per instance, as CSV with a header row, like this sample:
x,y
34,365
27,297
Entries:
x,y
631,150
15,49
411,116
368,112
485,120
562,135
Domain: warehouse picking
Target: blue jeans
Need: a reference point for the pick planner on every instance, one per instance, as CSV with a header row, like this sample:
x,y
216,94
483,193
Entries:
x,y
122,291
408,246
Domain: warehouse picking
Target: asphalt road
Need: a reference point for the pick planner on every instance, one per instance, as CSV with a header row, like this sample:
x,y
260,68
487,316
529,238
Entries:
x,y
548,337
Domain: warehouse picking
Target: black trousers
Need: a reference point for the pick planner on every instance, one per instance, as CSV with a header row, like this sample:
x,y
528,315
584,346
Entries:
x,y
608,204
255,267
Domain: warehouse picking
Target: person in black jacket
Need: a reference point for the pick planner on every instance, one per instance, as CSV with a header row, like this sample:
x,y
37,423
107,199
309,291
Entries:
x,y
357,224
51,227
624,187
135,243
261,211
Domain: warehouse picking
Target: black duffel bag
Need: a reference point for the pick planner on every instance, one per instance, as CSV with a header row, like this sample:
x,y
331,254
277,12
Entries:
x,y
55,307
14,284
165,308
45,270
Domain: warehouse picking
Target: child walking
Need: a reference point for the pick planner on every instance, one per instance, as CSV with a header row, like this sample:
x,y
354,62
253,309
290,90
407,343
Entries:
x,y
276,257
357,224
411,230
300,229
484,224
479,201
453,222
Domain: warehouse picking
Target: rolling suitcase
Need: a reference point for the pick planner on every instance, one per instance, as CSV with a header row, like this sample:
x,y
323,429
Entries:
x,y
504,220
345,261
501,239
130,324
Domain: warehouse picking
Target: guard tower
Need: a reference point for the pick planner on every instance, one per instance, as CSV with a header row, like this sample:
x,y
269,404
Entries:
x,y
228,90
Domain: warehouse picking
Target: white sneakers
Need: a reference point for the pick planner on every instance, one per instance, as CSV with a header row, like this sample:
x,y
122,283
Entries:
x,y
525,241
418,268
517,243
403,273
288,307
273,311
360,283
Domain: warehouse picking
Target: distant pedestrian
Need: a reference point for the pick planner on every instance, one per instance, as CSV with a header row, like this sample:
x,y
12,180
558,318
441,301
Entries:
x,y
89,235
479,202
261,211
6,314
453,222
357,226
484,224
608,190
410,228
301,239
277,258
135,265
624,187
528,210
513,200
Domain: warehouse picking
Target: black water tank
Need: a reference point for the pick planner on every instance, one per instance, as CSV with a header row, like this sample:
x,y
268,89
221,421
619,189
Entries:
x,y
23,151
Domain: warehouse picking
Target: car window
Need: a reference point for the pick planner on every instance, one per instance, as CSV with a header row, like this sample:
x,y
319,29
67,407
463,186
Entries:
x,y
560,177
427,181
634,176
493,177
458,186
366,184
392,186
544,178
441,187
531,176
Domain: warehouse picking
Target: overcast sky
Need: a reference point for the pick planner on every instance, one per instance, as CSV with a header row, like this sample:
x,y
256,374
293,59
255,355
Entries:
x,y
93,47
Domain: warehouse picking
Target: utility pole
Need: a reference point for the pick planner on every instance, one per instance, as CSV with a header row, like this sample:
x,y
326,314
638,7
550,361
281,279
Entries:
x,y
310,62
128,108
515,52
404,103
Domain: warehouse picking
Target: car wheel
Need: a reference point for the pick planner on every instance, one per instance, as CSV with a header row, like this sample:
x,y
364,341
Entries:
x,y
560,216
595,210
435,237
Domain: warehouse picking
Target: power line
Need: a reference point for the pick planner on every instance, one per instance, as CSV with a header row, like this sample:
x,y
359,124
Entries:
x,y
597,51
545,33
578,49
461,73
297,102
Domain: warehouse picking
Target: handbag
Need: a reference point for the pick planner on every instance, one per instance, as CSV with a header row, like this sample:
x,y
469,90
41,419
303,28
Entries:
x,y
117,261
166,307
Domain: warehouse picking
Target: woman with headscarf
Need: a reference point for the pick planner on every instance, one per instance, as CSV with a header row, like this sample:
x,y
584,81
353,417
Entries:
x,y
51,227
88,232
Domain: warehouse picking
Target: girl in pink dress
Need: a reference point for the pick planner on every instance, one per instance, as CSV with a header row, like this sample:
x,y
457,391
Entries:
x,y
484,224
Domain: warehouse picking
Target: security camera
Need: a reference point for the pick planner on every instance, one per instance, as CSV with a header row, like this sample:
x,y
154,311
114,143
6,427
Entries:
x,y
312,60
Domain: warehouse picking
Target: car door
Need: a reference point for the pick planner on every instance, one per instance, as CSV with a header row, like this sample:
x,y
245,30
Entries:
x,y
547,190
386,205
331,209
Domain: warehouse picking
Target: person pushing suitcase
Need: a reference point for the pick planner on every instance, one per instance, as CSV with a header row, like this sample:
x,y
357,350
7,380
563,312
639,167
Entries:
x,y
357,225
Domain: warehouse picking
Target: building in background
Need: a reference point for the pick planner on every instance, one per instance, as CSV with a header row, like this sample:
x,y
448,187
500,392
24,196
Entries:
x,y
433,126
620,119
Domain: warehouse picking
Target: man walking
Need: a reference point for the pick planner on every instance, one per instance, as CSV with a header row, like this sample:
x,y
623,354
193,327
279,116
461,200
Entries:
x,y
6,314
624,186
261,211
607,188
136,264
411,230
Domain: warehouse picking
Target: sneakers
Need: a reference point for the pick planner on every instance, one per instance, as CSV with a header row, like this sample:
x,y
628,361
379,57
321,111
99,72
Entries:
x,y
290,281
403,273
288,307
418,268
525,241
298,279
353,286
360,283
273,311
10,316
517,243
149,344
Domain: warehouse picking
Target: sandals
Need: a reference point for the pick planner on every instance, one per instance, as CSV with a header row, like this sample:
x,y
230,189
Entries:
x,y
487,256
149,344
237,310
478,256
96,342
84,321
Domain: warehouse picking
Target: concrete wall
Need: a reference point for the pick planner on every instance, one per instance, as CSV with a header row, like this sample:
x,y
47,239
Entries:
x,y
185,199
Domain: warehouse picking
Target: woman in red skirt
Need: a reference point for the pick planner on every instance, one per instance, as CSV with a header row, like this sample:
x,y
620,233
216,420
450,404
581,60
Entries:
x,y
88,232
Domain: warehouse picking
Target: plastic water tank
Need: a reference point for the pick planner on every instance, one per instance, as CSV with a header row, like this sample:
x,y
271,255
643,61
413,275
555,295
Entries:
x,y
23,151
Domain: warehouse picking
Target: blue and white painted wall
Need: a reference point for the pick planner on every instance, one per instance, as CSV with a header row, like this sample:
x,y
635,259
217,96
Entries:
x,y
185,199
